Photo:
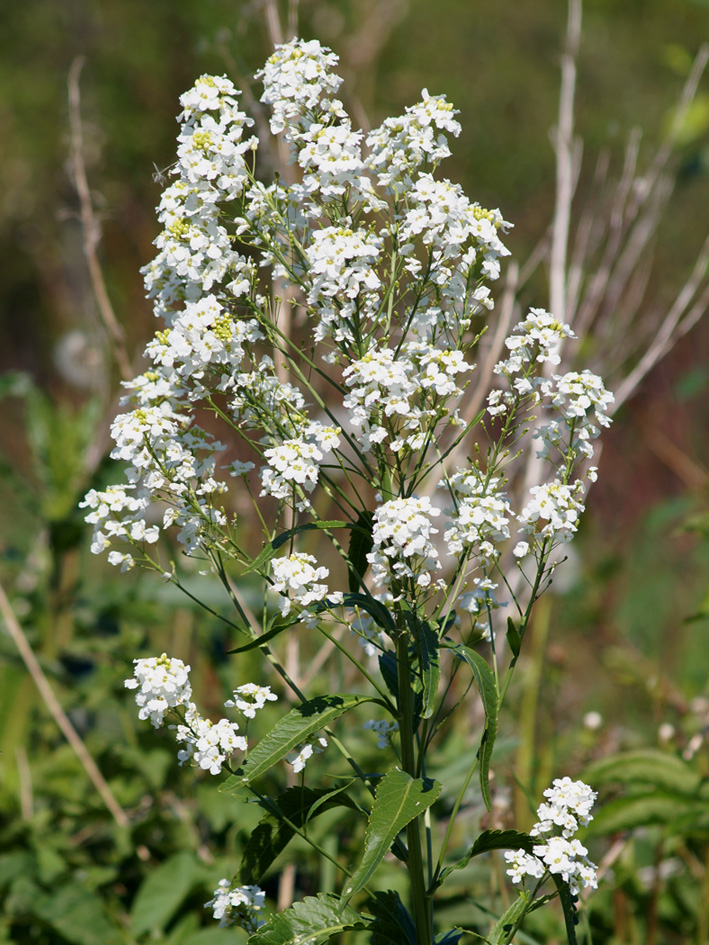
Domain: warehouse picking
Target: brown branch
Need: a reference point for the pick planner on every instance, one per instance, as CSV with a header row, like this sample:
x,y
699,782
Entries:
x,y
58,714
564,149
90,227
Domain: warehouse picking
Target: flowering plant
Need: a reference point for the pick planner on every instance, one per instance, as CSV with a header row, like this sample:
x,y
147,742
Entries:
x,y
351,387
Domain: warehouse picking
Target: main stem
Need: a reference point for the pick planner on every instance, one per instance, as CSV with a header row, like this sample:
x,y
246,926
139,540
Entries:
x,y
420,901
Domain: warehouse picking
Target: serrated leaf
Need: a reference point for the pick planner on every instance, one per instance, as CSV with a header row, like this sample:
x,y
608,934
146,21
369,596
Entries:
x,y
399,798
491,840
430,660
314,921
499,933
271,550
487,687
295,728
298,805
661,769
162,893
361,543
392,923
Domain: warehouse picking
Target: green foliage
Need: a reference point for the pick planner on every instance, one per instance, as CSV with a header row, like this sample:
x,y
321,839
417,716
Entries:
x,y
399,799
314,921
292,730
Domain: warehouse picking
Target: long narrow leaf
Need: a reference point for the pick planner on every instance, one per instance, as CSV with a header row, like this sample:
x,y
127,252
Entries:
x,y
568,907
361,543
500,932
491,840
271,550
429,655
266,637
487,686
294,729
376,610
398,800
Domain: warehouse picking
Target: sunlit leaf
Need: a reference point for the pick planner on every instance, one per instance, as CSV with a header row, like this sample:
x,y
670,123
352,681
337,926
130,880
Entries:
x,y
398,800
314,921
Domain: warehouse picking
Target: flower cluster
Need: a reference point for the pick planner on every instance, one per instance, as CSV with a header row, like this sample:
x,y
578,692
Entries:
x,y
163,683
296,580
237,905
383,730
163,686
402,546
207,744
356,403
568,807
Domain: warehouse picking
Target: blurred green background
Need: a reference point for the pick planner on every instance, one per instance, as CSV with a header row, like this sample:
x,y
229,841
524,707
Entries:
x,y
620,655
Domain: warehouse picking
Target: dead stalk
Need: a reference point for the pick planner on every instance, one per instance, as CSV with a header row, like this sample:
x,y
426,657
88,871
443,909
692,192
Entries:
x,y
90,227
58,714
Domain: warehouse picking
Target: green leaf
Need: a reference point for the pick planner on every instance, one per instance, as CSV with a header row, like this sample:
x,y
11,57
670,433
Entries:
x,y
429,656
641,810
314,921
390,673
273,547
79,916
376,610
661,769
399,798
276,625
162,893
487,686
500,932
514,640
491,840
392,923
361,543
294,729
298,805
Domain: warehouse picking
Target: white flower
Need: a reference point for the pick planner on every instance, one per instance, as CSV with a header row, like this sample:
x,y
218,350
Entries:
x,y
402,531
237,905
523,864
164,684
208,744
296,579
383,729
557,504
299,756
249,698
569,803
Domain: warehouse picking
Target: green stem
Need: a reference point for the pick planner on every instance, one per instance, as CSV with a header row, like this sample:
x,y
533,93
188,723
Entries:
x,y
420,899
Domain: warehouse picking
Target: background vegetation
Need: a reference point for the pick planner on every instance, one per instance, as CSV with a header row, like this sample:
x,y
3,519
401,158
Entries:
x,y
619,658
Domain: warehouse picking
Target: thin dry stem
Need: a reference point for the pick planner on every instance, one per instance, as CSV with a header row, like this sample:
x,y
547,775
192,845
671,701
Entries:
x,y
564,148
90,227
58,714
668,333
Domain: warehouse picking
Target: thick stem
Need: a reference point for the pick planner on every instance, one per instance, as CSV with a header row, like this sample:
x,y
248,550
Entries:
x,y
420,901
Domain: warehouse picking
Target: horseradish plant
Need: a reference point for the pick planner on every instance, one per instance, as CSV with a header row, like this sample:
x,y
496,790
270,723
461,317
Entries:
x,y
349,393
